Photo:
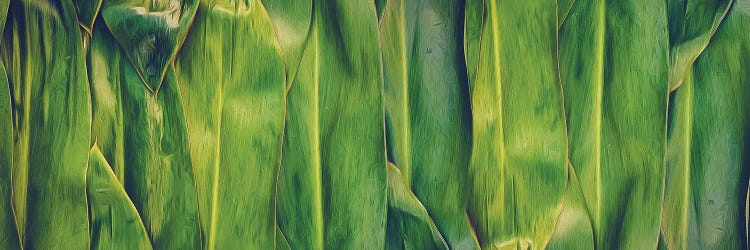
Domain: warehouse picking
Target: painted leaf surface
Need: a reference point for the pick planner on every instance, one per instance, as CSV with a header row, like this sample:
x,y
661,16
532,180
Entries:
x,y
234,104
291,21
87,12
692,23
428,119
115,223
518,165
150,32
708,143
332,188
8,231
144,138
409,225
615,84
42,51
573,230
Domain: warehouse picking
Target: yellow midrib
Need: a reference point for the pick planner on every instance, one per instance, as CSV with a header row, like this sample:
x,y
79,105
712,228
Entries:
x,y
599,71
317,174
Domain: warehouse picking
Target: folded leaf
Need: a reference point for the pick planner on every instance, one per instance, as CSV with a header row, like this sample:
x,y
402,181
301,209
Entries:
x,y
332,188
708,140
409,224
46,69
87,12
115,223
518,164
231,76
573,230
143,136
614,64
692,23
428,119
8,231
150,32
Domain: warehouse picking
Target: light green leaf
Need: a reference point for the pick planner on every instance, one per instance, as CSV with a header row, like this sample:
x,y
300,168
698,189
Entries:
x,y
518,164
428,119
42,51
143,136
409,225
115,223
708,142
692,23
332,188
8,231
573,230
614,64
291,21
150,32
231,76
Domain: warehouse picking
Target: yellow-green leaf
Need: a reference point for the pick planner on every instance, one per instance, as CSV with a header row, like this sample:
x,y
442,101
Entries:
x,y
8,231
231,77
573,230
518,164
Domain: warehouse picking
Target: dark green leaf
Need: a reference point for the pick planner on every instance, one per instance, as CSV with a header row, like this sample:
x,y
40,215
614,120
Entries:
x,y
144,138
115,223
8,231
332,188
231,76
518,164
614,67
87,11
428,119
41,48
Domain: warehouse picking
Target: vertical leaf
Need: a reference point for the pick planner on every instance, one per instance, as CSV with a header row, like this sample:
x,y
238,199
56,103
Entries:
x,y
87,12
708,143
428,119
8,231
42,51
614,64
231,75
332,190
144,135
291,20
518,163
573,230
115,223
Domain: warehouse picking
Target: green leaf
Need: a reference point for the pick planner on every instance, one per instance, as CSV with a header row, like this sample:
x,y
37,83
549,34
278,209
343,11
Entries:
x,y
708,140
692,23
150,32
115,223
231,76
143,136
518,164
409,225
291,21
428,119
573,230
332,188
614,64
8,231
42,51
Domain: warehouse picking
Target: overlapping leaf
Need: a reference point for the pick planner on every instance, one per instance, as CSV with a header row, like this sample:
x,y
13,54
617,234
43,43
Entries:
x,y
518,164
573,230
332,187
234,105
144,138
614,64
8,231
708,143
41,48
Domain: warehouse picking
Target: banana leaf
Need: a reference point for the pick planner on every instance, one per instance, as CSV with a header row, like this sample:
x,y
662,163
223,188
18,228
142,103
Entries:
x,y
692,23
143,137
518,166
573,230
231,76
428,121
8,231
409,225
115,223
291,21
614,64
150,32
709,137
41,48
332,187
